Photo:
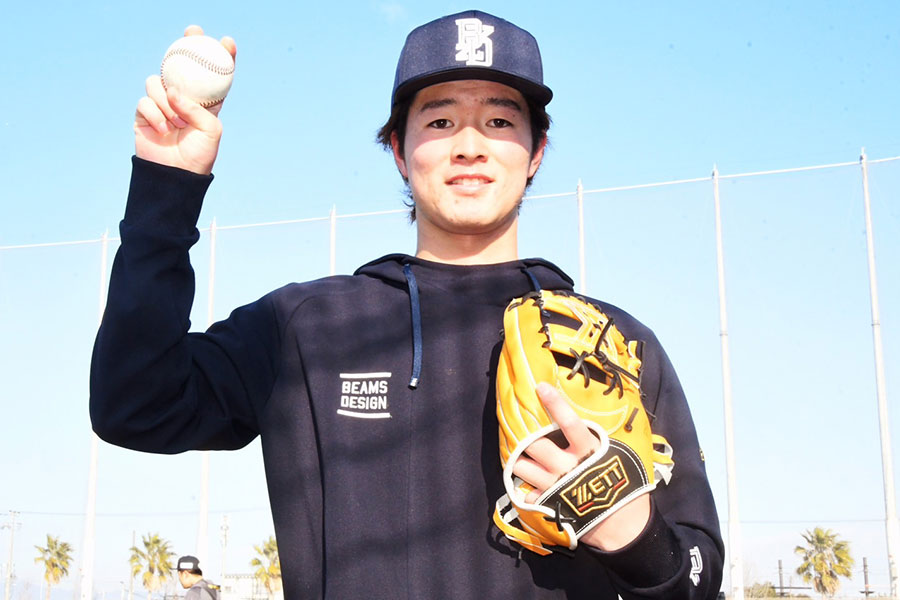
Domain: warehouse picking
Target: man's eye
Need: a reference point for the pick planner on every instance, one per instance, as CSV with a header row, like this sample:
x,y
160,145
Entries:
x,y
500,123
440,123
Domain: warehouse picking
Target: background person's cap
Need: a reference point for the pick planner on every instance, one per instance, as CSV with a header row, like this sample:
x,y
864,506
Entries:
x,y
188,563
470,45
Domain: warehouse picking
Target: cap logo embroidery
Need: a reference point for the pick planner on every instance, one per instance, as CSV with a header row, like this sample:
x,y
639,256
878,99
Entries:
x,y
475,46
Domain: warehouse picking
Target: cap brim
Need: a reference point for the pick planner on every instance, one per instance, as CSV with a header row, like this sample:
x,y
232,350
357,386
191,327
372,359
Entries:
x,y
537,92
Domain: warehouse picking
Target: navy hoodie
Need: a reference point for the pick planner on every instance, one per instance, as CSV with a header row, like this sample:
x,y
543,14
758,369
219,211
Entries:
x,y
377,489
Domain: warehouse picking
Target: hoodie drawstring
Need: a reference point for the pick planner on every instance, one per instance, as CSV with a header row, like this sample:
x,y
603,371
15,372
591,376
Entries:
x,y
416,325
535,285
416,314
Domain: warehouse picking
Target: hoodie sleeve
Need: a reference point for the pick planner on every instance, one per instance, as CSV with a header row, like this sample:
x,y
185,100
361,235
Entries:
x,y
154,386
679,555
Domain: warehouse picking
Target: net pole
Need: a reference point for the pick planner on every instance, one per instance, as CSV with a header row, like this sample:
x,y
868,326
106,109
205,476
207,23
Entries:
x,y
892,530
90,510
332,240
203,514
582,265
735,551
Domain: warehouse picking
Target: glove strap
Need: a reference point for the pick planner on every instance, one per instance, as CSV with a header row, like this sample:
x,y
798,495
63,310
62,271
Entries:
x,y
662,458
504,516
582,498
596,488
515,493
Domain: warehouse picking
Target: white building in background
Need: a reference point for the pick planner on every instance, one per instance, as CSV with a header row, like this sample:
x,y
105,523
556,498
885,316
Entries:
x,y
245,587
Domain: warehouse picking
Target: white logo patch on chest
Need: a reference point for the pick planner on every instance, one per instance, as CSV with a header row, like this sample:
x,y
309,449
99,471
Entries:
x,y
364,395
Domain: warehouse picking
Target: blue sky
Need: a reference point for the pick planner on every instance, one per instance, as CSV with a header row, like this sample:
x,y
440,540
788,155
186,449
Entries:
x,y
651,93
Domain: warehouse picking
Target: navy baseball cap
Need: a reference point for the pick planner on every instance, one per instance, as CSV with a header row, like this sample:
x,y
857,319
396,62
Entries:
x,y
188,563
470,45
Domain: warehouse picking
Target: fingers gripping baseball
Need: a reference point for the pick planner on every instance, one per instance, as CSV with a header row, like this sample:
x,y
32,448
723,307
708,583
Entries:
x,y
175,129
226,41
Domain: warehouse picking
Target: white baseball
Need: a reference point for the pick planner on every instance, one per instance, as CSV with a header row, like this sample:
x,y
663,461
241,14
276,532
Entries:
x,y
199,67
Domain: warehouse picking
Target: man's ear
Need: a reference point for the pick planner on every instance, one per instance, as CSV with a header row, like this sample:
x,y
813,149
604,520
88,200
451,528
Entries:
x,y
398,156
537,157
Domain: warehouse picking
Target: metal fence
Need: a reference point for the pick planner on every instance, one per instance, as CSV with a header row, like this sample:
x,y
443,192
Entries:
x,y
760,286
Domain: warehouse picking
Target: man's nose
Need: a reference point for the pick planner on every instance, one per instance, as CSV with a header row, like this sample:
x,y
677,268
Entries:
x,y
469,145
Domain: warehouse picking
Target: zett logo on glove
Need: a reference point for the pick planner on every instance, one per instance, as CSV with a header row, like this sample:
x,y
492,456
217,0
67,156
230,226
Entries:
x,y
597,488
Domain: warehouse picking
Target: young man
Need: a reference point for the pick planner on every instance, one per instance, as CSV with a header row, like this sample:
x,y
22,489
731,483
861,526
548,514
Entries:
x,y
190,576
377,417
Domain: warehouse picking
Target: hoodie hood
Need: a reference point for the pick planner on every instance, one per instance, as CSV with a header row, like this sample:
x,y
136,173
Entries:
x,y
494,283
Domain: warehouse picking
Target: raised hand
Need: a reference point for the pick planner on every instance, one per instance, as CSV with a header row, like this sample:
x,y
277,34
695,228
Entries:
x,y
173,130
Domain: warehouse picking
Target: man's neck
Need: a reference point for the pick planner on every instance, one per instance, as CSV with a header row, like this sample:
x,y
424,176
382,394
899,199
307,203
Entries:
x,y
463,249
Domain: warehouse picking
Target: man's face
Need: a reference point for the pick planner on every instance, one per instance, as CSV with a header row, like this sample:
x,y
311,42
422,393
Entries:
x,y
183,579
467,156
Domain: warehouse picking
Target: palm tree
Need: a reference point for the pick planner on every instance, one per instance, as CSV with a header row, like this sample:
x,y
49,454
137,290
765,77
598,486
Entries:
x,y
268,566
760,590
155,560
825,558
56,558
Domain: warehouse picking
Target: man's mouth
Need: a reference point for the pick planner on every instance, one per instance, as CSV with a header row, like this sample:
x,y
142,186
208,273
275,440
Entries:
x,y
469,180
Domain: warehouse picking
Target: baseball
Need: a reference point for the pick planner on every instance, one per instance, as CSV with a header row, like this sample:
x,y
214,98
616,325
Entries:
x,y
199,67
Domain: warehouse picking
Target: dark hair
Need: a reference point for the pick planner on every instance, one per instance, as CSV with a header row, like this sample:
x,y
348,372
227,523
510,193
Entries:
x,y
537,113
